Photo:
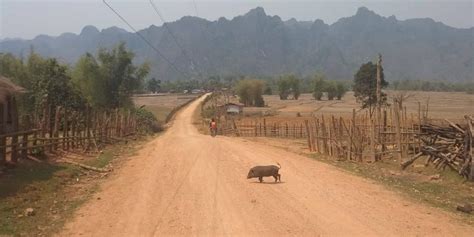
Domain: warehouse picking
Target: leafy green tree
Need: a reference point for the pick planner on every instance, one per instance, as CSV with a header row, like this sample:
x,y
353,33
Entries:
x,y
319,86
120,75
340,90
54,86
365,86
331,90
153,85
87,77
295,86
289,84
283,88
212,83
14,68
109,80
250,92
268,90
48,83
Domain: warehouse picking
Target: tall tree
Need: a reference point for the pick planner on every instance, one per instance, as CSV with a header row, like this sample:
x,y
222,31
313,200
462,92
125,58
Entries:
x,y
319,86
109,79
331,90
250,92
153,85
340,90
87,77
365,86
289,84
283,88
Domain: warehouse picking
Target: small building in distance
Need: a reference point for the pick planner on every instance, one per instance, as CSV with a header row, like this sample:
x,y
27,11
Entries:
x,y
232,108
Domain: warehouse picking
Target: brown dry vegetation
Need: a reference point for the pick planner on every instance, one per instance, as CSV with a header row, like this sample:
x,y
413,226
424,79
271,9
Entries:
x,y
162,105
450,105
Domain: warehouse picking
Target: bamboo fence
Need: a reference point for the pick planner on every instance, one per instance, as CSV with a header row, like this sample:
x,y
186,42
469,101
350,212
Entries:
x,y
62,129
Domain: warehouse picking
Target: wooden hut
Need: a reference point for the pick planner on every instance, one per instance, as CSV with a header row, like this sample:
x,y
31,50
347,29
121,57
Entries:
x,y
8,112
8,107
231,108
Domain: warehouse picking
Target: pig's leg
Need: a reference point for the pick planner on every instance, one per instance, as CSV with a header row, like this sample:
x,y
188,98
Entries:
x,y
279,177
260,179
276,177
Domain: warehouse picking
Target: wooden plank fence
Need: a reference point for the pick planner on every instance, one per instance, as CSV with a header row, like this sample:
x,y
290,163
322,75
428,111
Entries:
x,y
63,129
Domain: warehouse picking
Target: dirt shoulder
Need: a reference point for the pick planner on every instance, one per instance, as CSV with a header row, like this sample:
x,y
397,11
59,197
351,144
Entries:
x,y
53,191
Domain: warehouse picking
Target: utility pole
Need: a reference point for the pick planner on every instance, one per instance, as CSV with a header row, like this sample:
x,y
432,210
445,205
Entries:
x,y
379,88
378,124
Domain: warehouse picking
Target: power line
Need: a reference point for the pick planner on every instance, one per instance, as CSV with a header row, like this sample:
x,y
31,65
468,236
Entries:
x,y
206,31
175,39
195,8
144,39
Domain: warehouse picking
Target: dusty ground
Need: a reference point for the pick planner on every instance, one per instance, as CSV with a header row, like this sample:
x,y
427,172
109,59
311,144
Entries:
x,y
451,105
185,183
162,105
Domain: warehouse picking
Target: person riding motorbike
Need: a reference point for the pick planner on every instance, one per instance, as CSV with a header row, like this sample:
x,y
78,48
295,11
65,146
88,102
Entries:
x,y
213,127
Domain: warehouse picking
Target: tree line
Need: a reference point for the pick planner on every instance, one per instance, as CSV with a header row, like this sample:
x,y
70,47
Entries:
x,y
105,81
426,85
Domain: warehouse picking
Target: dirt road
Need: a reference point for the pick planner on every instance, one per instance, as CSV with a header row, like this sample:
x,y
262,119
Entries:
x,y
185,183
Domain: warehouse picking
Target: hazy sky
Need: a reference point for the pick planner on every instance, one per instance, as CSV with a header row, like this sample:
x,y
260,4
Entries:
x,y
27,19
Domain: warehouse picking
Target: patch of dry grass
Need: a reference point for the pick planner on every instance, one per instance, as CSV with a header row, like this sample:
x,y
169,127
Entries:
x,y
450,105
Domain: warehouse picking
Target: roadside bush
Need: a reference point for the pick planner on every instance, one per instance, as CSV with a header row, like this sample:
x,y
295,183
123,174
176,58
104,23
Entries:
x,y
147,122
208,112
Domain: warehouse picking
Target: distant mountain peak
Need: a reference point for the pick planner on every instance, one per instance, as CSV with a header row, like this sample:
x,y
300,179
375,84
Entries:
x,y
89,30
258,11
114,29
365,12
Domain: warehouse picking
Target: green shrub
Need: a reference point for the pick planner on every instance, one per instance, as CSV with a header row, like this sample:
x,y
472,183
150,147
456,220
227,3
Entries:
x,y
147,122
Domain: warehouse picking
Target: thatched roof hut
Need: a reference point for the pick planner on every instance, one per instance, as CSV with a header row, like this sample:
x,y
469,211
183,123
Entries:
x,y
8,106
8,88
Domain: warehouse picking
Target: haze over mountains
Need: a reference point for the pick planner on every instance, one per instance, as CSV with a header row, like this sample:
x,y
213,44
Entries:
x,y
258,44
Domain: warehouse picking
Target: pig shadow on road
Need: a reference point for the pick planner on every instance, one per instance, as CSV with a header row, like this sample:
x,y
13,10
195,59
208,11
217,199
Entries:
x,y
268,182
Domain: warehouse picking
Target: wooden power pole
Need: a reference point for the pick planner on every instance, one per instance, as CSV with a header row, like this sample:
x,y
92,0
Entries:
x,y
379,89
378,119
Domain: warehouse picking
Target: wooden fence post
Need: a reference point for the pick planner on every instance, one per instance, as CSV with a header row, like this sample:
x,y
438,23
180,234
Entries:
x,y
57,117
397,125
66,130
3,140
88,124
372,140
24,146
351,134
14,116
471,153
264,128
308,136
324,134
317,130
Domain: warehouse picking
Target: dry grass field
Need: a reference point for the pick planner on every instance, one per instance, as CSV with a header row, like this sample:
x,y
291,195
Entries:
x,y
162,104
449,105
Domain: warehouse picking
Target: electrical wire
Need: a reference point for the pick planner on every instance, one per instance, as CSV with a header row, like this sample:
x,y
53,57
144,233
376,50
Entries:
x,y
175,39
146,41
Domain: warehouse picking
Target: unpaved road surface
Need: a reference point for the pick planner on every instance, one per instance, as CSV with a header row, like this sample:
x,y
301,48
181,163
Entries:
x,y
184,183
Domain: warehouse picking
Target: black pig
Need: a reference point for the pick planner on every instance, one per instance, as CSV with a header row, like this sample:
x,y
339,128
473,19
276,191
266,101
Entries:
x,y
265,171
